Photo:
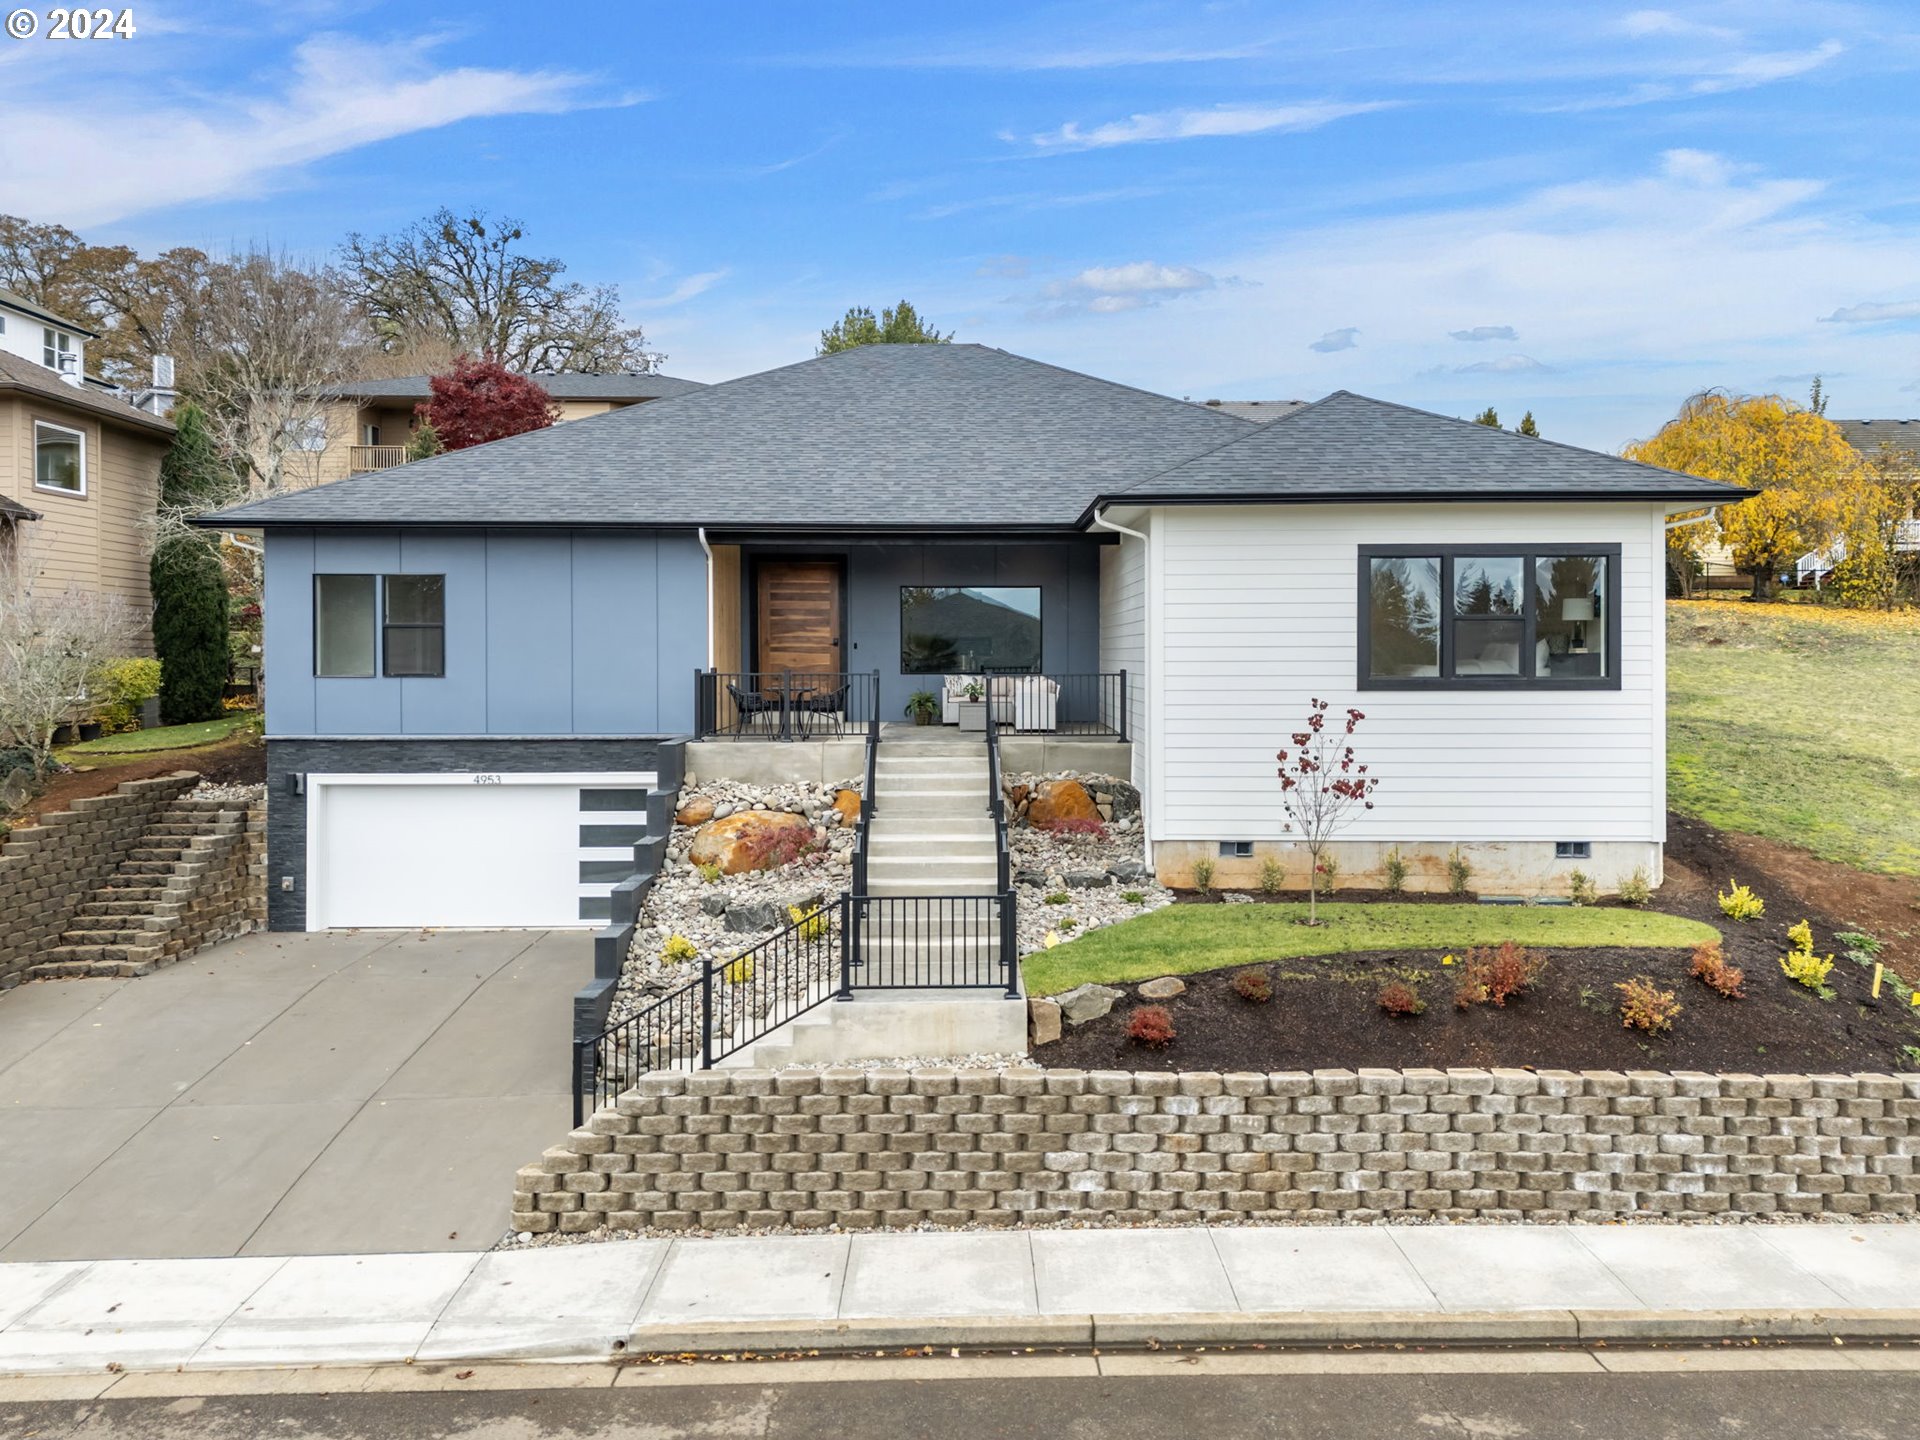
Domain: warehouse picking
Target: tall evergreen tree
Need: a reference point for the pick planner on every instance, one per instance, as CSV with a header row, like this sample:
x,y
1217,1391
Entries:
x,y
190,604
898,325
190,628
1489,417
1527,427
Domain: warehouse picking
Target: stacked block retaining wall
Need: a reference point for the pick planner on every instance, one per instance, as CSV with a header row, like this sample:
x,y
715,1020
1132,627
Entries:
x,y
863,1149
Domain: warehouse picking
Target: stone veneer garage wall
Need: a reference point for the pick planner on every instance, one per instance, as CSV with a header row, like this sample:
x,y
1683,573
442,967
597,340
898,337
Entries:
x,y
868,1148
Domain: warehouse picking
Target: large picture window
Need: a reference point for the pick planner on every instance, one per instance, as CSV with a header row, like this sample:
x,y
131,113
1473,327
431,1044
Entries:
x,y
967,630
1500,617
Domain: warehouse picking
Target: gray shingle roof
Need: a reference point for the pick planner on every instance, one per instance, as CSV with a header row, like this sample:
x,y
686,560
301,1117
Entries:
x,y
41,313
949,437
43,384
885,436
1258,411
1348,446
12,511
573,386
1867,436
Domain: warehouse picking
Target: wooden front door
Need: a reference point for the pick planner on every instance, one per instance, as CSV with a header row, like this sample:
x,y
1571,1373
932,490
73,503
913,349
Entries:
x,y
798,615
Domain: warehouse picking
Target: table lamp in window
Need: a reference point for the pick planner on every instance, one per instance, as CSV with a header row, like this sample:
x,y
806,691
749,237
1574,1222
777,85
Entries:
x,y
1577,612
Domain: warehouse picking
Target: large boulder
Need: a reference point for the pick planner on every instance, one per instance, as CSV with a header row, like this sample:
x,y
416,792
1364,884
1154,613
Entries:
x,y
1087,1002
847,803
1088,879
730,842
1165,988
696,810
1057,800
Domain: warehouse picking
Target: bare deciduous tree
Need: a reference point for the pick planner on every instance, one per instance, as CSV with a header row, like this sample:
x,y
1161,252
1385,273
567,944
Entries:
x,y
279,340
458,282
1321,784
53,641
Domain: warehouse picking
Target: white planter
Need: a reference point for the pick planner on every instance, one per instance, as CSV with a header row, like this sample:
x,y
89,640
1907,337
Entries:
x,y
973,715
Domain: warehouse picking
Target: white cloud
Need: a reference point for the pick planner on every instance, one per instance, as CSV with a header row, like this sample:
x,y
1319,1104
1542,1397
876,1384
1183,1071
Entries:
x,y
1345,338
1505,365
1114,289
1486,332
1746,71
1713,73
683,291
1196,124
340,94
1144,277
1872,311
1642,23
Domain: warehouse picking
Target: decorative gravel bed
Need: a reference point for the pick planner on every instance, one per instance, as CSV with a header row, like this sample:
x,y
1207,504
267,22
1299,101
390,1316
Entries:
x,y
244,794
725,917
1086,877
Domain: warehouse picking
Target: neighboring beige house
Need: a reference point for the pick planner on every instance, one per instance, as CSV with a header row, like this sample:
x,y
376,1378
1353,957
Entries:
x,y
369,426
79,466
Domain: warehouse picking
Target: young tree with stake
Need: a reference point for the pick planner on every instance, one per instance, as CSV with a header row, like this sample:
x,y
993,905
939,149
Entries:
x,y
1321,785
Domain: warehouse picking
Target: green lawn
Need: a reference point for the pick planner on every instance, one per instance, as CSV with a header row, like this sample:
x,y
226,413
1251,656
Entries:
x,y
1798,724
167,737
1183,938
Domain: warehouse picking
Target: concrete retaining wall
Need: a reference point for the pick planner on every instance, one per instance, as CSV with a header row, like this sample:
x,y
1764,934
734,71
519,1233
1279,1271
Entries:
x,y
48,870
868,1148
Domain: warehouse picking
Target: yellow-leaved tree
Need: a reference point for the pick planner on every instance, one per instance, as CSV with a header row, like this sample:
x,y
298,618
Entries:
x,y
1809,478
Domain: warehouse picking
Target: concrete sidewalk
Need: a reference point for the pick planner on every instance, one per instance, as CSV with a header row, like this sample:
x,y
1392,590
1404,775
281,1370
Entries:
x,y
1066,1288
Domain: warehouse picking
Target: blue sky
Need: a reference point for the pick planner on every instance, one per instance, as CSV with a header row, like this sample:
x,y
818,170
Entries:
x,y
1588,210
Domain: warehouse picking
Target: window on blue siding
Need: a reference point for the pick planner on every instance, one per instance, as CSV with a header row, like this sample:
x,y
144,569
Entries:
x,y
345,612
416,629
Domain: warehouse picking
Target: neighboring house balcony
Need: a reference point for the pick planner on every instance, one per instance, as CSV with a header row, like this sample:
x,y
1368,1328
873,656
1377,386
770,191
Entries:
x,y
363,458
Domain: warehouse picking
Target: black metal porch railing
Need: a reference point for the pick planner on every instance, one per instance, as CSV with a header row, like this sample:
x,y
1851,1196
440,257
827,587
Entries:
x,y
929,942
869,803
1092,705
785,704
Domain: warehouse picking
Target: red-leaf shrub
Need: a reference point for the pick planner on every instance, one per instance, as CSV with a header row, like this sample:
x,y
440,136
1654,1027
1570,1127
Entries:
x,y
1152,1026
1493,977
770,849
1645,1006
1711,969
482,400
1253,986
1401,999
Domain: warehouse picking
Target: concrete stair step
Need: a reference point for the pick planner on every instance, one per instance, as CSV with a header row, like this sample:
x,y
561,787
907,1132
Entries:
x,y
931,807
947,885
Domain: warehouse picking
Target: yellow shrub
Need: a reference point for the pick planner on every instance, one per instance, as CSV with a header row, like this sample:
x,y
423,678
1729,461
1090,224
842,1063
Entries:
x,y
738,972
678,948
1803,967
1741,903
120,688
1802,936
812,923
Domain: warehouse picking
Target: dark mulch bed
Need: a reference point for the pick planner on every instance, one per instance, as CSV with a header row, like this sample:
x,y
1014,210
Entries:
x,y
241,761
1324,1013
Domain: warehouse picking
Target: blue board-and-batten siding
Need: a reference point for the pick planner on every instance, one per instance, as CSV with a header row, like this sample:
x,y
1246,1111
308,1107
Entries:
x,y
548,633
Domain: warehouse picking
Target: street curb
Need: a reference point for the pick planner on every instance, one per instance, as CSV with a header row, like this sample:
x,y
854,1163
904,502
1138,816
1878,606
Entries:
x,y
1298,1328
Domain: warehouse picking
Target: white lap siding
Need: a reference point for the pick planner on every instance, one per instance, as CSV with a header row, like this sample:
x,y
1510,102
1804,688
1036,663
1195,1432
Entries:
x,y
1123,633
1259,614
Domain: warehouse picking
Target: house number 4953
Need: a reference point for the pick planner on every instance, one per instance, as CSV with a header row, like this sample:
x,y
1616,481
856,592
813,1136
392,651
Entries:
x,y
486,779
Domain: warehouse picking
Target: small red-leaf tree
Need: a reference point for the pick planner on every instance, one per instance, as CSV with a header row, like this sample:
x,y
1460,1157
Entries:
x,y
1321,786
482,400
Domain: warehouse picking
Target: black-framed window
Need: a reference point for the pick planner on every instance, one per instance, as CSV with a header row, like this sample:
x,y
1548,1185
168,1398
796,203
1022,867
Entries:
x,y
358,618
414,637
1489,617
969,629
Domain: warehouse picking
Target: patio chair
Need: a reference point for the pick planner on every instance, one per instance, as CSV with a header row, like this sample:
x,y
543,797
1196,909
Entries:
x,y
751,705
824,704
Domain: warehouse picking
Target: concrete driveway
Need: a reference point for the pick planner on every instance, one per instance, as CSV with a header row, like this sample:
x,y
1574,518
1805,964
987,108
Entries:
x,y
286,1094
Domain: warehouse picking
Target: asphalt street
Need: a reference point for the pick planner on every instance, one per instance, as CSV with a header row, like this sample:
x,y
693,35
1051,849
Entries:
x,y
1499,1396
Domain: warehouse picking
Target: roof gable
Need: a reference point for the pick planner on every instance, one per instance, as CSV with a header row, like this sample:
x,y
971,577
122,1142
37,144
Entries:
x,y
1349,446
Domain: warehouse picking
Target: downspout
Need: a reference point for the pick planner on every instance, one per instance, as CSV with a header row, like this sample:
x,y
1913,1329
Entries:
x,y
1713,514
1148,629
702,532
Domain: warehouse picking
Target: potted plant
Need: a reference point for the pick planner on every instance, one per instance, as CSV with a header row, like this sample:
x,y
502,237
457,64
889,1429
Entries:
x,y
923,705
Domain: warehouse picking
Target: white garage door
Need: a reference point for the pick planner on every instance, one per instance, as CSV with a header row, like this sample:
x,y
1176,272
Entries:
x,y
490,852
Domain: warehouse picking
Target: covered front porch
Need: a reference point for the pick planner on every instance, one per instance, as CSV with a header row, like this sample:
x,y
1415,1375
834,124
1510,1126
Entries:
x,y
820,640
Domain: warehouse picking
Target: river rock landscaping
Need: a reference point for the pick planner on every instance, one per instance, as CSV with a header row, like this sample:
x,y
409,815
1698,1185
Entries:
x,y
697,910
1075,845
